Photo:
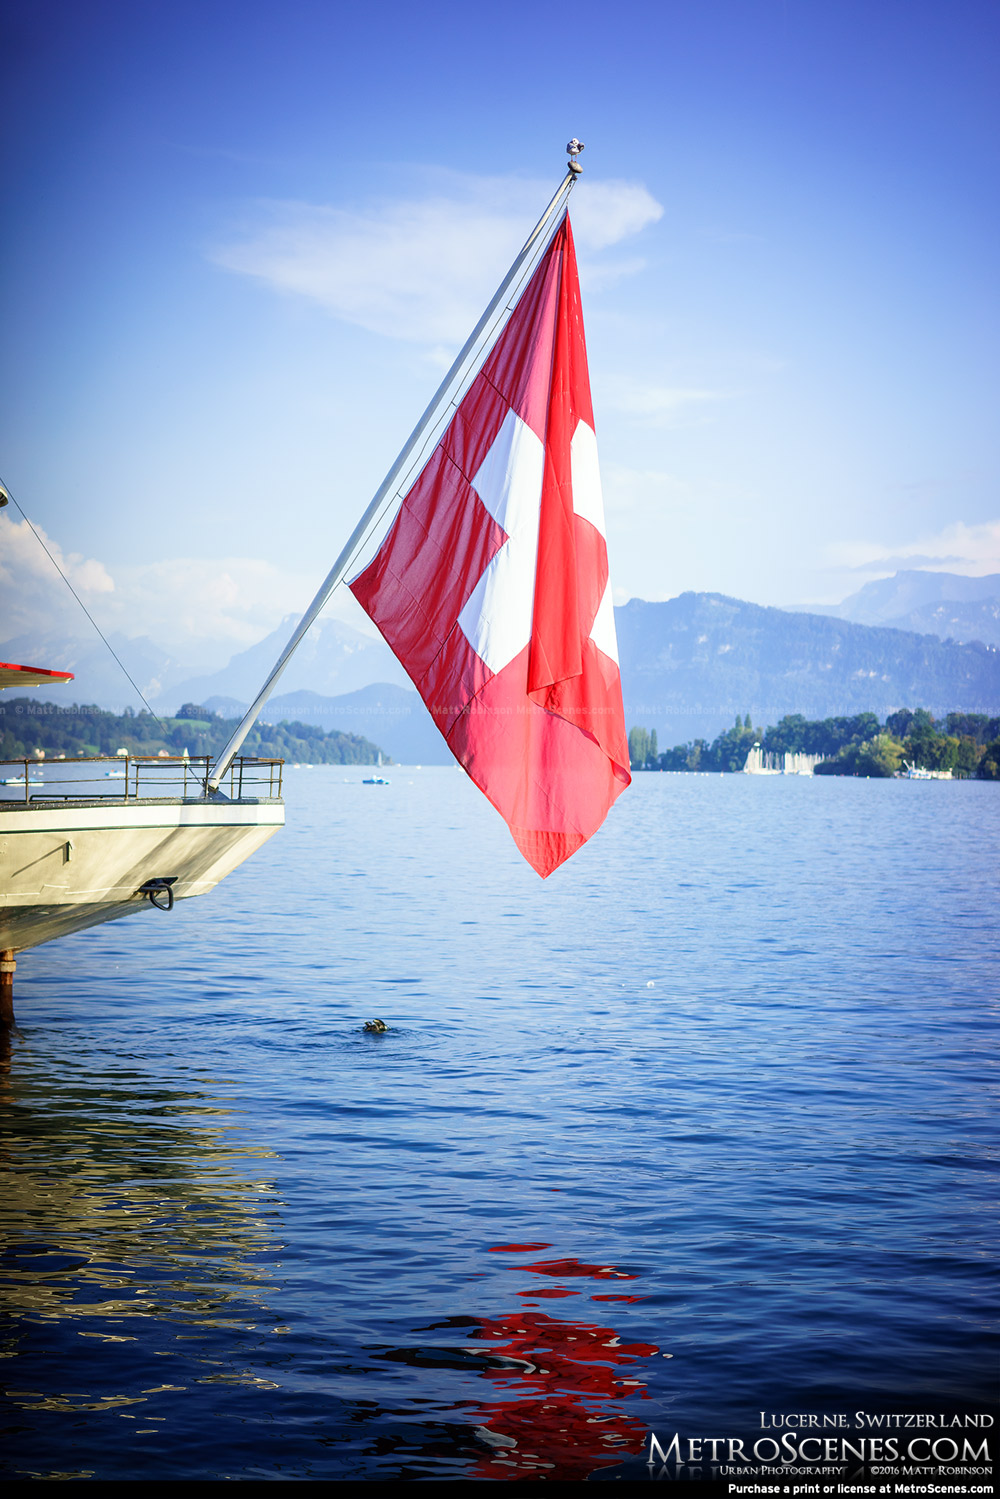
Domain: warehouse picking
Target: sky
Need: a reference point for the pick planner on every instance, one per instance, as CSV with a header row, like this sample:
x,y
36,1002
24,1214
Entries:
x,y
244,238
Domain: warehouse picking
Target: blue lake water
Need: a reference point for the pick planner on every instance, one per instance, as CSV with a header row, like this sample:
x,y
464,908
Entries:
x,y
697,1129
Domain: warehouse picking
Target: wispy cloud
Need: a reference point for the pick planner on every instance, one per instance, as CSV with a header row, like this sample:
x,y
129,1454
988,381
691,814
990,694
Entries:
x,y
661,405
972,550
190,606
23,561
34,594
605,213
634,490
231,601
421,267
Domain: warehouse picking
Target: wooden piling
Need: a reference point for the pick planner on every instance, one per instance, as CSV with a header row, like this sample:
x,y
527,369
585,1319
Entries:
x,y
7,967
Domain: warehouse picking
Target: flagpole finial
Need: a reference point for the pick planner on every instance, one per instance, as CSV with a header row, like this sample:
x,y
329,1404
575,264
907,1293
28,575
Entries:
x,y
574,148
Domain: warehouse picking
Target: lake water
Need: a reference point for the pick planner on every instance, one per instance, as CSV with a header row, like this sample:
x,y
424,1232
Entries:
x,y
699,1128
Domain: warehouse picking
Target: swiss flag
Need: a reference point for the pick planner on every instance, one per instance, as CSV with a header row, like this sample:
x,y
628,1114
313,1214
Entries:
x,y
492,584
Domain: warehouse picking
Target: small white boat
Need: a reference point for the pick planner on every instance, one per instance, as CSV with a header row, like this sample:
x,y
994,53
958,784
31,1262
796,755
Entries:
x,y
918,773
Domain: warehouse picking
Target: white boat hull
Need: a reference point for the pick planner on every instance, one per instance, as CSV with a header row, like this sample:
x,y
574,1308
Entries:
x,y
65,868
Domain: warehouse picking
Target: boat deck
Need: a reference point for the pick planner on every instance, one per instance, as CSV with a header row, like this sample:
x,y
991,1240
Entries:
x,y
84,779
18,804
88,840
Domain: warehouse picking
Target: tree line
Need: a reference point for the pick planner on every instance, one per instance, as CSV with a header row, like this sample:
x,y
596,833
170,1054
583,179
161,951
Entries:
x,y
967,744
29,729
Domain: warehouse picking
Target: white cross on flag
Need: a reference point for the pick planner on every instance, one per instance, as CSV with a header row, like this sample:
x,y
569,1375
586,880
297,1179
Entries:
x,y
492,586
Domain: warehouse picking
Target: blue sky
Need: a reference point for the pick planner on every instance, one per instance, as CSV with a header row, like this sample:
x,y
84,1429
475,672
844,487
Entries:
x,y
242,241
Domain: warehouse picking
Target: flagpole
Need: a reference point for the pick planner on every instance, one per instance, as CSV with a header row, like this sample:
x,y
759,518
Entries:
x,y
534,246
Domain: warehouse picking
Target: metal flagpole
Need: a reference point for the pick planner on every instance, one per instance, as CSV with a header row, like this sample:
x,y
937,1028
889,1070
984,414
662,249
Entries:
x,y
534,247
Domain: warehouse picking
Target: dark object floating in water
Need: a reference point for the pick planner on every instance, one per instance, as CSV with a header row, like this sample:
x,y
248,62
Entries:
x,y
375,1027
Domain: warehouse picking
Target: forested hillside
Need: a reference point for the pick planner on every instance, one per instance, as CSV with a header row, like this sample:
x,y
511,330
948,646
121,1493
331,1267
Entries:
x,y
27,726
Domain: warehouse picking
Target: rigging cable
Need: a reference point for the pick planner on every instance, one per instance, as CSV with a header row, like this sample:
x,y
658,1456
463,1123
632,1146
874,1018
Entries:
x,y
4,491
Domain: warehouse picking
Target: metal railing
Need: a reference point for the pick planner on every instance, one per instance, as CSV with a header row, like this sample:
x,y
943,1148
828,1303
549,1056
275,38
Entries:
x,y
141,777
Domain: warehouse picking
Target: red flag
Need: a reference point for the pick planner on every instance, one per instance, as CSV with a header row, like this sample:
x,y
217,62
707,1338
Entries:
x,y
492,584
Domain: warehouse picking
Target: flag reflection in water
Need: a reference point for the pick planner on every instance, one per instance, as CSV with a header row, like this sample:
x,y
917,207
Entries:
x,y
565,1386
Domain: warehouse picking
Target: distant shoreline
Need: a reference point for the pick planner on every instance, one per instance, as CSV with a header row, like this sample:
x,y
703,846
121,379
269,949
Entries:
x,y
963,746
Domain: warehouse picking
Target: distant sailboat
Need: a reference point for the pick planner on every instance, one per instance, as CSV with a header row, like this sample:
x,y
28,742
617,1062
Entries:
x,y
376,780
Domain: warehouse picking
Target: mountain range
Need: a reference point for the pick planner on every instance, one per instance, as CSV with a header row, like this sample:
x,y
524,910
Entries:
x,y
333,658
689,665
391,716
944,604
98,678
